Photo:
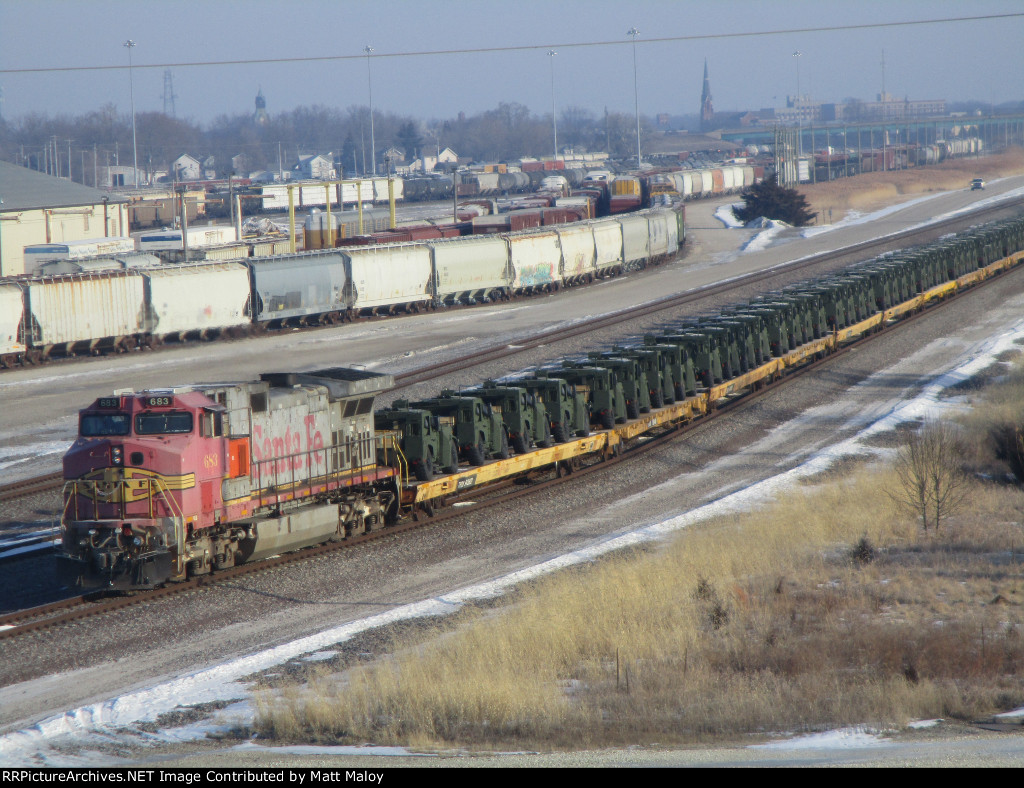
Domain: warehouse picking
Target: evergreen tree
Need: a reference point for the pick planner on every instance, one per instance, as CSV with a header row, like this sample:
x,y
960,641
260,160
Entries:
x,y
408,139
772,201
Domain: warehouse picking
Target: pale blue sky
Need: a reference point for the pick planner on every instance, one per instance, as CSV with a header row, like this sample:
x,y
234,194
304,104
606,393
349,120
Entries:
x,y
978,59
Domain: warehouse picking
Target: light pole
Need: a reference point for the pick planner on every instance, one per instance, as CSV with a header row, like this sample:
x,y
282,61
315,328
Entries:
x,y
130,45
369,81
554,121
636,95
799,111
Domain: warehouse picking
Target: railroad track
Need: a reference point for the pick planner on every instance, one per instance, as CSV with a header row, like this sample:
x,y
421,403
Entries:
x,y
13,490
867,248
24,622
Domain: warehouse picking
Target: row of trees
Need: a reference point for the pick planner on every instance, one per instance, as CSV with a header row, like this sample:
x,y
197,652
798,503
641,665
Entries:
x,y
104,137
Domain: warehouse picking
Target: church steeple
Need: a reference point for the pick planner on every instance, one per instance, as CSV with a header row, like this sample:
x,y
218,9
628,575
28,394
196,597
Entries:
x,y
707,111
260,117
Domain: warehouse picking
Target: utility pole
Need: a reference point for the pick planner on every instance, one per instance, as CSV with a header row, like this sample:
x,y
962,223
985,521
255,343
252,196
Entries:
x,y
636,94
554,119
369,81
130,45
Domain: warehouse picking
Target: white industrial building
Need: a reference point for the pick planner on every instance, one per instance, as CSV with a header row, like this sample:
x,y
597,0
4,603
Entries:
x,y
40,209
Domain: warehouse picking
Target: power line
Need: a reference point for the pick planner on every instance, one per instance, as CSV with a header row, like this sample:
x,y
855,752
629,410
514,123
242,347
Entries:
x,y
529,48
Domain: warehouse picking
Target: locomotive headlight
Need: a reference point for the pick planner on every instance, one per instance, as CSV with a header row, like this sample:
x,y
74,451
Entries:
x,y
92,532
117,455
137,542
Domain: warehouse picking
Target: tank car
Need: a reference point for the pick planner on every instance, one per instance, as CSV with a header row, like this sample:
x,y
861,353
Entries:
x,y
166,484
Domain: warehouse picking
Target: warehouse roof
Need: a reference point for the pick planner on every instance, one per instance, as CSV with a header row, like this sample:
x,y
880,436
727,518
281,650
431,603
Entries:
x,y
22,189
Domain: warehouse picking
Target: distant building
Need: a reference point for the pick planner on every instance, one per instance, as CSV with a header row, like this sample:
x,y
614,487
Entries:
x,y
260,117
798,110
186,168
801,109
392,158
118,176
315,167
41,209
266,176
707,110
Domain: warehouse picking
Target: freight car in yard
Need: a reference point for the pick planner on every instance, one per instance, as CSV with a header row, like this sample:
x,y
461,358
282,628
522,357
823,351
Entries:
x,y
119,307
165,484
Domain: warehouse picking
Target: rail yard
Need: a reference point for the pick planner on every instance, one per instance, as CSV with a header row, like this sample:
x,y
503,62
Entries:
x,y
711,441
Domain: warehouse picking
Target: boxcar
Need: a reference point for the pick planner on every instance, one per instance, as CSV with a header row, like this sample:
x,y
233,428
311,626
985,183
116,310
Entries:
x,y
83,312
471,269
386,278
535,258
662,234
12,312
197,299
635,239
608,246
299,288
579,253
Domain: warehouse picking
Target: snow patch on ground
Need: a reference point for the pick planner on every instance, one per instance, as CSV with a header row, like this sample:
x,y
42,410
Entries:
x,y
11,456
726,214
842,739
761,241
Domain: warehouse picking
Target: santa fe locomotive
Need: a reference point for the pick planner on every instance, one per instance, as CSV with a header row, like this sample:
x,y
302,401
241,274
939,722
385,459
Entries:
x,y
175,483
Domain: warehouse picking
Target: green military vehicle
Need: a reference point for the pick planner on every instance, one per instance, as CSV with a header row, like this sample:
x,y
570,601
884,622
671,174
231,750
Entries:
x,y
660,383
606,402
567,407
631,374
424,438
522,411
477,428
679,363
703,349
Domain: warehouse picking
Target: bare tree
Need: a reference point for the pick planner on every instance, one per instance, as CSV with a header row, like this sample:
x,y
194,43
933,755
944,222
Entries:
x,y
929,470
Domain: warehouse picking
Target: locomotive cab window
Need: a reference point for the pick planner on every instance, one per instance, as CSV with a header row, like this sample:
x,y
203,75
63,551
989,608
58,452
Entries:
x,y
211,424
94,425
163,422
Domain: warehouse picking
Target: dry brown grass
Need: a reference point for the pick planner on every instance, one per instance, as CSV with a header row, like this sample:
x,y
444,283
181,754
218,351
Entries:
x,y
755,623
874,190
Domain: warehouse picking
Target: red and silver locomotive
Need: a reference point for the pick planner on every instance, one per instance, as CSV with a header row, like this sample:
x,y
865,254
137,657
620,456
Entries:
x,y
166,484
